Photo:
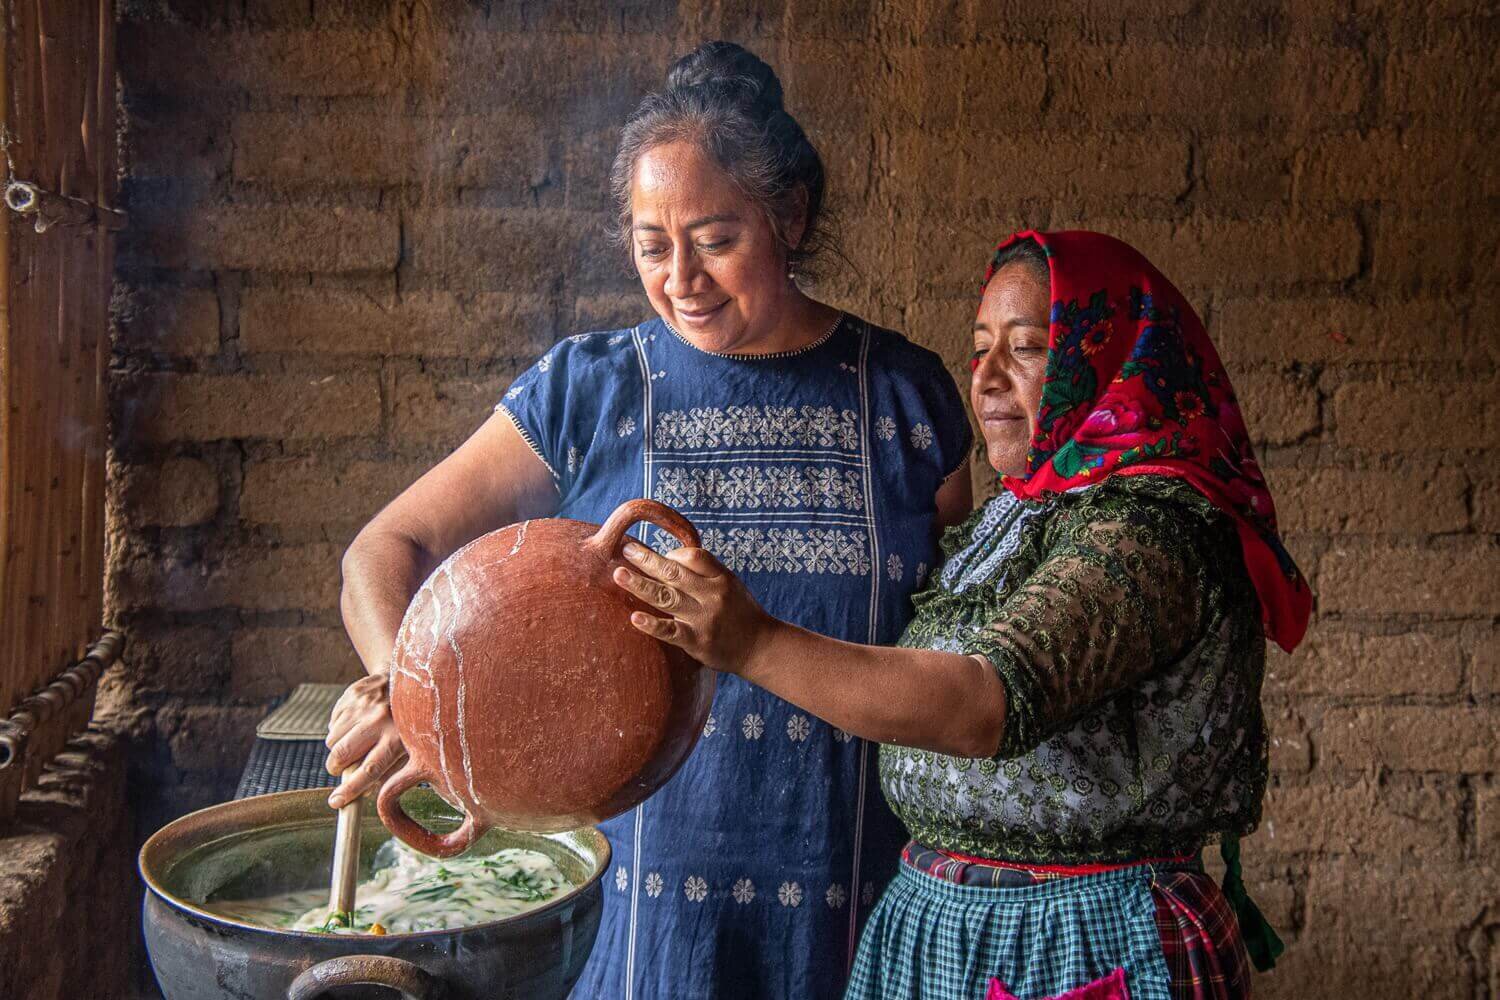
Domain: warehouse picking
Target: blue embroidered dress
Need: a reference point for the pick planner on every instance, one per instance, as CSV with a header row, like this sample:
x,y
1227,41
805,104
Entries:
x,y
812,475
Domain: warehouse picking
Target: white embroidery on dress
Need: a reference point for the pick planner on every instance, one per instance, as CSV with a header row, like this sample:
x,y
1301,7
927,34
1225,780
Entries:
x,y
743,891
842,736
752,726
757,427
790,894
781,550
572,459
579,338
921,574
622,878
618,339
545,364
886,428
894,567
835,896
695,889
657,375
514,391
867,894
709,726
846,366
654,884
625,426
921,437
757,487
797,728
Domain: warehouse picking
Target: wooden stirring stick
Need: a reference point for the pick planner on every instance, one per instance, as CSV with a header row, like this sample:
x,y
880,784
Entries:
x,y
346,855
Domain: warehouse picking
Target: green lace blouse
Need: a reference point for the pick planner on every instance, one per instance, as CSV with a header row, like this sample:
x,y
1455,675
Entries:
x,y
1124,627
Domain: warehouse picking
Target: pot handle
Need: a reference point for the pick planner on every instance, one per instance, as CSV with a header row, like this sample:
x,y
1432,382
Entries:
x,y
409,830
411,981
608,538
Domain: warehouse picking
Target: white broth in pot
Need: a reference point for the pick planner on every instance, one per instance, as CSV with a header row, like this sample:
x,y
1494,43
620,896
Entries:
x,y
410,892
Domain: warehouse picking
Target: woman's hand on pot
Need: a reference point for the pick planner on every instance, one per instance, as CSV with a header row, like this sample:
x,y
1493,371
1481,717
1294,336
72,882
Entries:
x,y
702,608
361,732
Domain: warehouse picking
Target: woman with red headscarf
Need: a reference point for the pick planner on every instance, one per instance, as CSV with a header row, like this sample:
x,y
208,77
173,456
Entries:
x,y
1074,712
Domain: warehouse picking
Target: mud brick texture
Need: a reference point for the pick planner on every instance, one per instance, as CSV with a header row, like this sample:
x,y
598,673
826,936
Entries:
x,y
354,221
68,891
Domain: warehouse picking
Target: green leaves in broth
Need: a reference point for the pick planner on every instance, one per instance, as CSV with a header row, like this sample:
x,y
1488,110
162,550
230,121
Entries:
x,y
416,893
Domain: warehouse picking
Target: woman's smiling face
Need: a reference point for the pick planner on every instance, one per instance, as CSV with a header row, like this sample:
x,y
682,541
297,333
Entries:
x,y
1010,364
708,258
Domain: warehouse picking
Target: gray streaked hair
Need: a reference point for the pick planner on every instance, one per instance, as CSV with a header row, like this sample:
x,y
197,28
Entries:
x,y
728,102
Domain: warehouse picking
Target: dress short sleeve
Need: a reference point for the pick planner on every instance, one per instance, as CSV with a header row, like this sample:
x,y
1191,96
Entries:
x,y
937,427
557,403
954,435
1120,593
535,402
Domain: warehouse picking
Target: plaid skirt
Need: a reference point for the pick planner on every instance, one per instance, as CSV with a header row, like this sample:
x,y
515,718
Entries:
x,y
951,928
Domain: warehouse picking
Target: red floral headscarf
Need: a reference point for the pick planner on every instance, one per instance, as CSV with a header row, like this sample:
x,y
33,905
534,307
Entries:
x,y
1135,387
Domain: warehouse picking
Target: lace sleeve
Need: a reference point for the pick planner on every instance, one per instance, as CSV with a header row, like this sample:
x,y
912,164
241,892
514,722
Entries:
x,y
1119,593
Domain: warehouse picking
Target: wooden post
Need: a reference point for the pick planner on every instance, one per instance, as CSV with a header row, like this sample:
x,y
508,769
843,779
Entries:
x,y
57,112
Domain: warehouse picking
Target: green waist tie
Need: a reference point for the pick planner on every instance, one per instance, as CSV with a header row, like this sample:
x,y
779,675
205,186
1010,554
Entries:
x,y
1261,940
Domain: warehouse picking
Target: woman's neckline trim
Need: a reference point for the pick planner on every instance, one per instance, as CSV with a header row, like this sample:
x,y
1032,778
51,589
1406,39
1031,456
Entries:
x,y
838,321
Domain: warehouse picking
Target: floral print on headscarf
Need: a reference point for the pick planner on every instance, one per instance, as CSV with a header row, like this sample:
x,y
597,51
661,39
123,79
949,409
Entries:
x,y
1134,387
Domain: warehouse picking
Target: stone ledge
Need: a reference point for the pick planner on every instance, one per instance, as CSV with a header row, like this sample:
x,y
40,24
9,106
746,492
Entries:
x,y
68,891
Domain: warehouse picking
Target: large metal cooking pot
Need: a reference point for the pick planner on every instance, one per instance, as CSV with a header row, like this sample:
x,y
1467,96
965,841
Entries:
x,y
284,842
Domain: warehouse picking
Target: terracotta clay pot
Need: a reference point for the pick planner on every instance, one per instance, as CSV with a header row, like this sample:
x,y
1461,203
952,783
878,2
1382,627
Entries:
x,y
523,693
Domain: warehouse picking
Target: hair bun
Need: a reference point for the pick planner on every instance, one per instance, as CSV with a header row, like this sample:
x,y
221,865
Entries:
x,y
733,68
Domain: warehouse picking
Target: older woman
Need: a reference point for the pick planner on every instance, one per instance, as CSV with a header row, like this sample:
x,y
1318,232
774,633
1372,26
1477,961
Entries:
x,y
1076,709
818,456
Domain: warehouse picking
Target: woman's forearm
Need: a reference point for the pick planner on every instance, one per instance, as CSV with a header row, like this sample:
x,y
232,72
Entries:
x,y
382,570
945,702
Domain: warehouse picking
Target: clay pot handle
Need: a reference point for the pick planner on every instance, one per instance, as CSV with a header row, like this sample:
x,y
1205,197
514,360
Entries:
x,y
609,537
409,830
411,981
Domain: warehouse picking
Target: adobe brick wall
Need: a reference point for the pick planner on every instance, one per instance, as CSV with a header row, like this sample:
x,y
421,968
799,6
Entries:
x,y
67,884
354,222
